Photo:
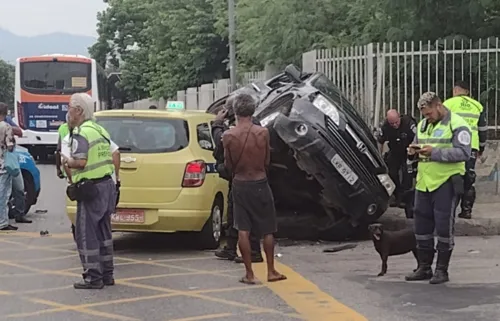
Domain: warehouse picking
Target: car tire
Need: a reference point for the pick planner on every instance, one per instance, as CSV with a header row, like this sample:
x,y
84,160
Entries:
x,y
210,235
29,190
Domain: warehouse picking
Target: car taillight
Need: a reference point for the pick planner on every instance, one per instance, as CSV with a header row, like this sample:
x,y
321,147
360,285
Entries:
x,y
194,175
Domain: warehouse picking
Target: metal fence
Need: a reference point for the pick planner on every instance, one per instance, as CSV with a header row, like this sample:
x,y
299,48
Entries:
x,y
380,76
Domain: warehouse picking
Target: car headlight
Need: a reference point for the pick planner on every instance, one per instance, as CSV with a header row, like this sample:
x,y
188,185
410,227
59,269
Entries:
x,y
269,118
387,182
327,108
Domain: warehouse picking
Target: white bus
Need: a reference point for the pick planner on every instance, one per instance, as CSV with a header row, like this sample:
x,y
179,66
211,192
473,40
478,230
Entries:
x,y
43,86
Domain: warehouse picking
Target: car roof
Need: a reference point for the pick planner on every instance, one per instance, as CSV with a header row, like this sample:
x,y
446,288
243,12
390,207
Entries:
x,y
189,115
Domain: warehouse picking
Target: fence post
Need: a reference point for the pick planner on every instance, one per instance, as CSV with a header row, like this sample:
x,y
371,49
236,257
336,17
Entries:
x,y
309,61
192,98
181,96
369,79
380,80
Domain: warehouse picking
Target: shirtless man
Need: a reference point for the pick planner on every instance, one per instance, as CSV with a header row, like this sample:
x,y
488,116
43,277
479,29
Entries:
x,y
247,157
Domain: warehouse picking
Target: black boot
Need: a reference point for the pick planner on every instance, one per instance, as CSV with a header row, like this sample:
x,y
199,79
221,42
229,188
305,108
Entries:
x,y
441,274
424,270
229,251
467,203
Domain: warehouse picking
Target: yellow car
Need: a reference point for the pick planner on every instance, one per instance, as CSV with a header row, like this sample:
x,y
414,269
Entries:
x,y
168,178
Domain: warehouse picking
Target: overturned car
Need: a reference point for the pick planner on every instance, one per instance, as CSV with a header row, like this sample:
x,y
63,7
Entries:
x,y
326,173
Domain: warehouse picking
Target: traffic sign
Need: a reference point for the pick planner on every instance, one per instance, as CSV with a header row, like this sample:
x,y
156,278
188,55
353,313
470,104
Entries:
x,y
177,105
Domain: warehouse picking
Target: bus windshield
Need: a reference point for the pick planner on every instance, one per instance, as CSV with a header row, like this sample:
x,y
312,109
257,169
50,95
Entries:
x,y
55,77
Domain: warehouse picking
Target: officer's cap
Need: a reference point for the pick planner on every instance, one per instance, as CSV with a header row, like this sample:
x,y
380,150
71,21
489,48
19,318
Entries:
x,y
427,99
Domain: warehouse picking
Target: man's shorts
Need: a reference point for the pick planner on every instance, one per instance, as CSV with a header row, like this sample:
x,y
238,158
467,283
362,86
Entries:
x,y
253,207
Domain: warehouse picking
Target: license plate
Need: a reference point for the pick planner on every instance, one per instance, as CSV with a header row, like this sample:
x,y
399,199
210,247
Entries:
x,y
344,170
128,216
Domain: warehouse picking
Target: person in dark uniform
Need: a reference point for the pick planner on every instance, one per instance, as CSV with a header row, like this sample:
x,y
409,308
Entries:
x,y
442,146
475,115
399,131
228,252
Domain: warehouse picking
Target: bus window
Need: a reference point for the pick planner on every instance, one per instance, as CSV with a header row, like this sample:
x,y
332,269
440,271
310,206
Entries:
x,y
55,77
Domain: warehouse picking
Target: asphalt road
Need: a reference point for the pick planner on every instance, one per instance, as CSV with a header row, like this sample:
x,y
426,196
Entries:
x,y
162,278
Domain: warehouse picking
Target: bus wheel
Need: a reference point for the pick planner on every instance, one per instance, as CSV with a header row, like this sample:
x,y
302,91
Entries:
x,y
42,156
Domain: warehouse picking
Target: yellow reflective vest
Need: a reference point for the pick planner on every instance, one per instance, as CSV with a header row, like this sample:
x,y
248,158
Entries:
x,y
99,159
431,175
470,110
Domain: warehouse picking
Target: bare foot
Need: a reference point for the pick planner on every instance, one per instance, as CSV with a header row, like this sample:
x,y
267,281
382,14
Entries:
x,y
247,280
275,277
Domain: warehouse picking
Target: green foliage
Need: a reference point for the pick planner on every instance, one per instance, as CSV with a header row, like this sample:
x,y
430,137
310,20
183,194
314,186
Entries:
x,y
160,46
6,83
165,46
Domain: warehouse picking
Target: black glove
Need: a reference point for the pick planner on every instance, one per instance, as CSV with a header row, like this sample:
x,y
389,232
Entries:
x,y
118,185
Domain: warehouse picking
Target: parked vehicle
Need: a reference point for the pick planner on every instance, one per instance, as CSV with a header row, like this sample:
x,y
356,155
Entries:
x,y
326,172
31,177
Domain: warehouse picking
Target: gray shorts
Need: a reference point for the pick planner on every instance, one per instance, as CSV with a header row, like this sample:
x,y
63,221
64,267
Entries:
x,y
253,207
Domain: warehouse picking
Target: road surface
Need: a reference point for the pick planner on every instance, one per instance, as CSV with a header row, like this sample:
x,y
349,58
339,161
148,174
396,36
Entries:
x,y
162,278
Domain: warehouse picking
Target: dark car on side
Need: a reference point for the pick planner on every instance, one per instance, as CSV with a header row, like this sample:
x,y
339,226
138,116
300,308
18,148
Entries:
x,y
326,174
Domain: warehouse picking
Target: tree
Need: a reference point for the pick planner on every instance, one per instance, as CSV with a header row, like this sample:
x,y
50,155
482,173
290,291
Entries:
x,y
160,46
164,46
6,83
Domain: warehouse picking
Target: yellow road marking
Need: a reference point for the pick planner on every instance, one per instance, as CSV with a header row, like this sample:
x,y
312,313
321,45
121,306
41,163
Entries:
x,y
147,277
72,308
302,295
305,297
46,259
205,317
45,290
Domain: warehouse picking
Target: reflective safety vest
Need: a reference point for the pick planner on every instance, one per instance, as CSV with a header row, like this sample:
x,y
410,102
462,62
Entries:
x,y
63,131
431,175
469,109
99,159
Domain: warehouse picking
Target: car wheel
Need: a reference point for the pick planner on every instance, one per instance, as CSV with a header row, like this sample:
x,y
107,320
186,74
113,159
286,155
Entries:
x,y
29,191
211,233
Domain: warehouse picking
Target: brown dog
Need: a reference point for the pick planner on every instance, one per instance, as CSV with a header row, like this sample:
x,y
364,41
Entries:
x,y
389,243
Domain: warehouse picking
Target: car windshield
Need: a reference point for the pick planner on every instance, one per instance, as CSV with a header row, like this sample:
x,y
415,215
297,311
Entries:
x,y
147,135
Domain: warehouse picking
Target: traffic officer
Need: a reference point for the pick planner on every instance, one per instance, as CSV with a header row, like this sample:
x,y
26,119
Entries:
x,y
399,131
228,252
443,144
473,112
91,167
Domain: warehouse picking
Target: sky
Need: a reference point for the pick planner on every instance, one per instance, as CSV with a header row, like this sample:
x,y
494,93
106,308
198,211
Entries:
x,y
38,17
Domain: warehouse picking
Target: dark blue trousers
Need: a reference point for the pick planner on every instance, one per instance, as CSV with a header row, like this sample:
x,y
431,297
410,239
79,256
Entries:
x,y
435,211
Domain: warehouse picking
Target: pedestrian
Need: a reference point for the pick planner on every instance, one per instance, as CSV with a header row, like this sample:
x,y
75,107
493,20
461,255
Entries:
x,y
228,252
442,144
399,131
18,211
93,188
6,145
247,157
475,115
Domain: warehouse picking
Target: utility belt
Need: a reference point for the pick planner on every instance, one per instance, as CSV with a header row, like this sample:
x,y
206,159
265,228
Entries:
x,y
85,190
